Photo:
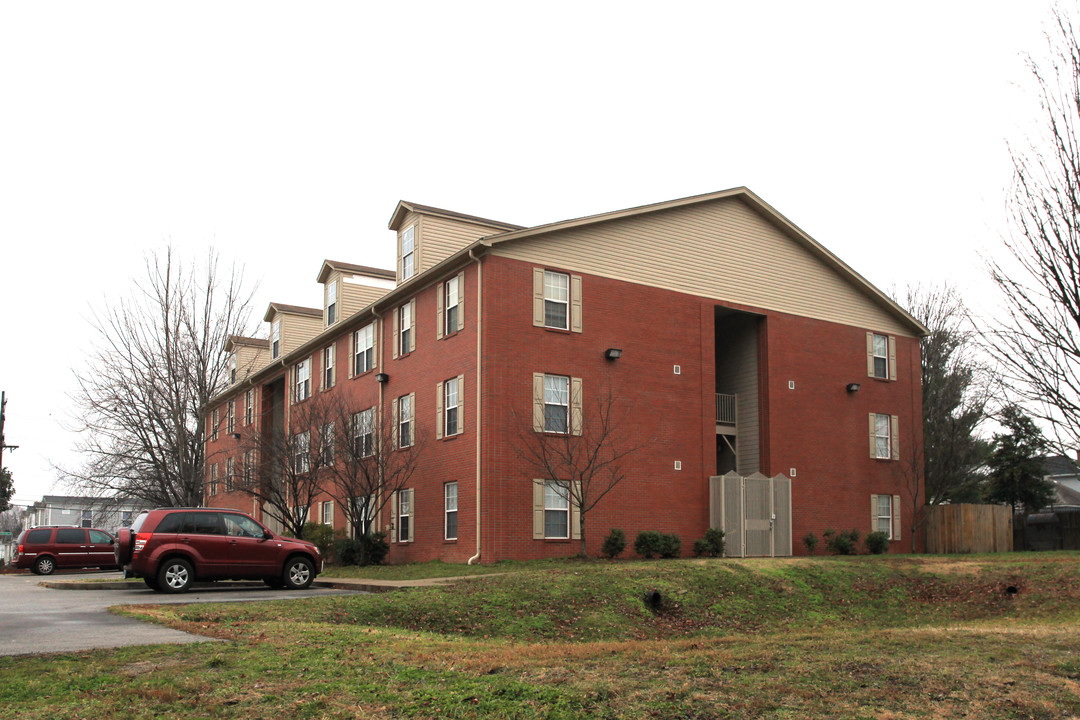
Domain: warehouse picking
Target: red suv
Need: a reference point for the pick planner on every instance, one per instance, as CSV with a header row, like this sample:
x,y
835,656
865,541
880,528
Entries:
x,y
170,548
46,548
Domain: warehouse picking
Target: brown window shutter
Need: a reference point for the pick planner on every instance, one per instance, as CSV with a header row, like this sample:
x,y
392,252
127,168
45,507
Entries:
x,y
393,517
400,266
397,330
575,406
538,297
892,357
873,513
412,319
375,330
538,402
894,436
895,517
575,512
873,435
440,302
575,303
538,509
412,514
870,354
438,411
352,353
461,403
461,300
395,428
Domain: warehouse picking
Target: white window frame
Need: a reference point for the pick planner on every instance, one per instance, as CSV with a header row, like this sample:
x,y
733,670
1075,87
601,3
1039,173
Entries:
x,y
881,420
232,369
328,372
452,297
249,468
405,328
230,473
881,354
364,433
554,397
87,519
450,504
552,291
405,429
212,481
215,421
302,450
230,417
249,406
331,303
556,492
275,339
887,518
364,349
302,380
365,505
326,444
404,516
408,252
451,397
326,513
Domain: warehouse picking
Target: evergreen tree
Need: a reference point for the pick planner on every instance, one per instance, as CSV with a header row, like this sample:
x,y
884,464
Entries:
x,y
7,489
1016,462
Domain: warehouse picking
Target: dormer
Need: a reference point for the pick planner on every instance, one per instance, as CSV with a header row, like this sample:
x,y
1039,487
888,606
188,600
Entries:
x,y
290,327
246,355
349,288
428,235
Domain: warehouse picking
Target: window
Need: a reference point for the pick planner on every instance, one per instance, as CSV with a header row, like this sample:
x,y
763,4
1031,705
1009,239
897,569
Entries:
x,y
450,495
363,509
230,473
125,518
884,440
404,516
326,513
212,483
87,518
249,406
302,377
452,286
230,417
556,300
328,366
302,449
327,437
884,515
449,404
249,468
214,421
364,349
275,339
364,433
71,536
404,420
232,369
408,252
880,356
331,303
405,339
556,510
556,403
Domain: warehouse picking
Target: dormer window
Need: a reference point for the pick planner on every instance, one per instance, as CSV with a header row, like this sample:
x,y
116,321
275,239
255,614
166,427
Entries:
x,y
232,369
331,303
408,252
275,339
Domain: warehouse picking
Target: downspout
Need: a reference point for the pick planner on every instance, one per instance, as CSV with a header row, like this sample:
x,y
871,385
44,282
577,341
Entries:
x,y
379,415
479,347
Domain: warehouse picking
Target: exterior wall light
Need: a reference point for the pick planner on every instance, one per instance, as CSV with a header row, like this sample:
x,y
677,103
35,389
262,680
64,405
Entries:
x,y
382,378
853,387
236,436
613,353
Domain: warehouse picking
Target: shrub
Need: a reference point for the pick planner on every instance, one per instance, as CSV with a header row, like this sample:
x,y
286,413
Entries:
x,y
877,542
321,535
614,543
670,545
364,550
712,545
841,543
647,544
810,540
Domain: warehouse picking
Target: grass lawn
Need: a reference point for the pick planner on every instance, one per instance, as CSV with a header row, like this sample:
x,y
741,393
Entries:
x,y
881,638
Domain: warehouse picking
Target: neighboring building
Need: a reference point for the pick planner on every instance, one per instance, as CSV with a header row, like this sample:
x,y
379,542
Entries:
x,y
744,346
1065,474
99,512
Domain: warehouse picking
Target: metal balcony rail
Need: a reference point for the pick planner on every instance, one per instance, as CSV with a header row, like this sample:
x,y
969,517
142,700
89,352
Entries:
x,y
725,409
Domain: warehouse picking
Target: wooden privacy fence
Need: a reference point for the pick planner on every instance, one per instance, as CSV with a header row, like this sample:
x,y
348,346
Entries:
x,y
966,528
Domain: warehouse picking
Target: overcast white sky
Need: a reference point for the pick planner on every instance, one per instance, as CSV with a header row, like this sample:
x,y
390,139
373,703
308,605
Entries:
x,y
284,134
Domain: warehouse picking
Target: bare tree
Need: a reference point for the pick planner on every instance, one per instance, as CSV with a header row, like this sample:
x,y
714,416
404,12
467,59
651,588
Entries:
x,y
156,365
368,466
587,453
291,462
956,388
1038,341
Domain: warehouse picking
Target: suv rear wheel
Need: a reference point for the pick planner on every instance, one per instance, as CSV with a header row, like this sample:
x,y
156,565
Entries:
x,y
298,574
44,565
175,575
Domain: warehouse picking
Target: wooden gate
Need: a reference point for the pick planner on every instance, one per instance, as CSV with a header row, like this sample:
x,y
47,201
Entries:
x,y
754,512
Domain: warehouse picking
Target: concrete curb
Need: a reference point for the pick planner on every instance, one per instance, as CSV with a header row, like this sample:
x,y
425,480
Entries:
x,y
358,584
126,585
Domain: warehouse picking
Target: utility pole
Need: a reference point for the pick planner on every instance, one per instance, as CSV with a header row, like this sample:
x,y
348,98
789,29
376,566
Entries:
x,y
3,417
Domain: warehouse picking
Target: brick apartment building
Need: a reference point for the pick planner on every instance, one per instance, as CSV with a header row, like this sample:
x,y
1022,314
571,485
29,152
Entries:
x,y
726,338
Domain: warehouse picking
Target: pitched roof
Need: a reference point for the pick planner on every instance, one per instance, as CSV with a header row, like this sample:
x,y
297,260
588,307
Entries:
x,y
329,266
290,310
238,340
1058,465
405,206
746,195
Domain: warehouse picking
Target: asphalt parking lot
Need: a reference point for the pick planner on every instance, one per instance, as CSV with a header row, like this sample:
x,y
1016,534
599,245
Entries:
x,y
35,619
